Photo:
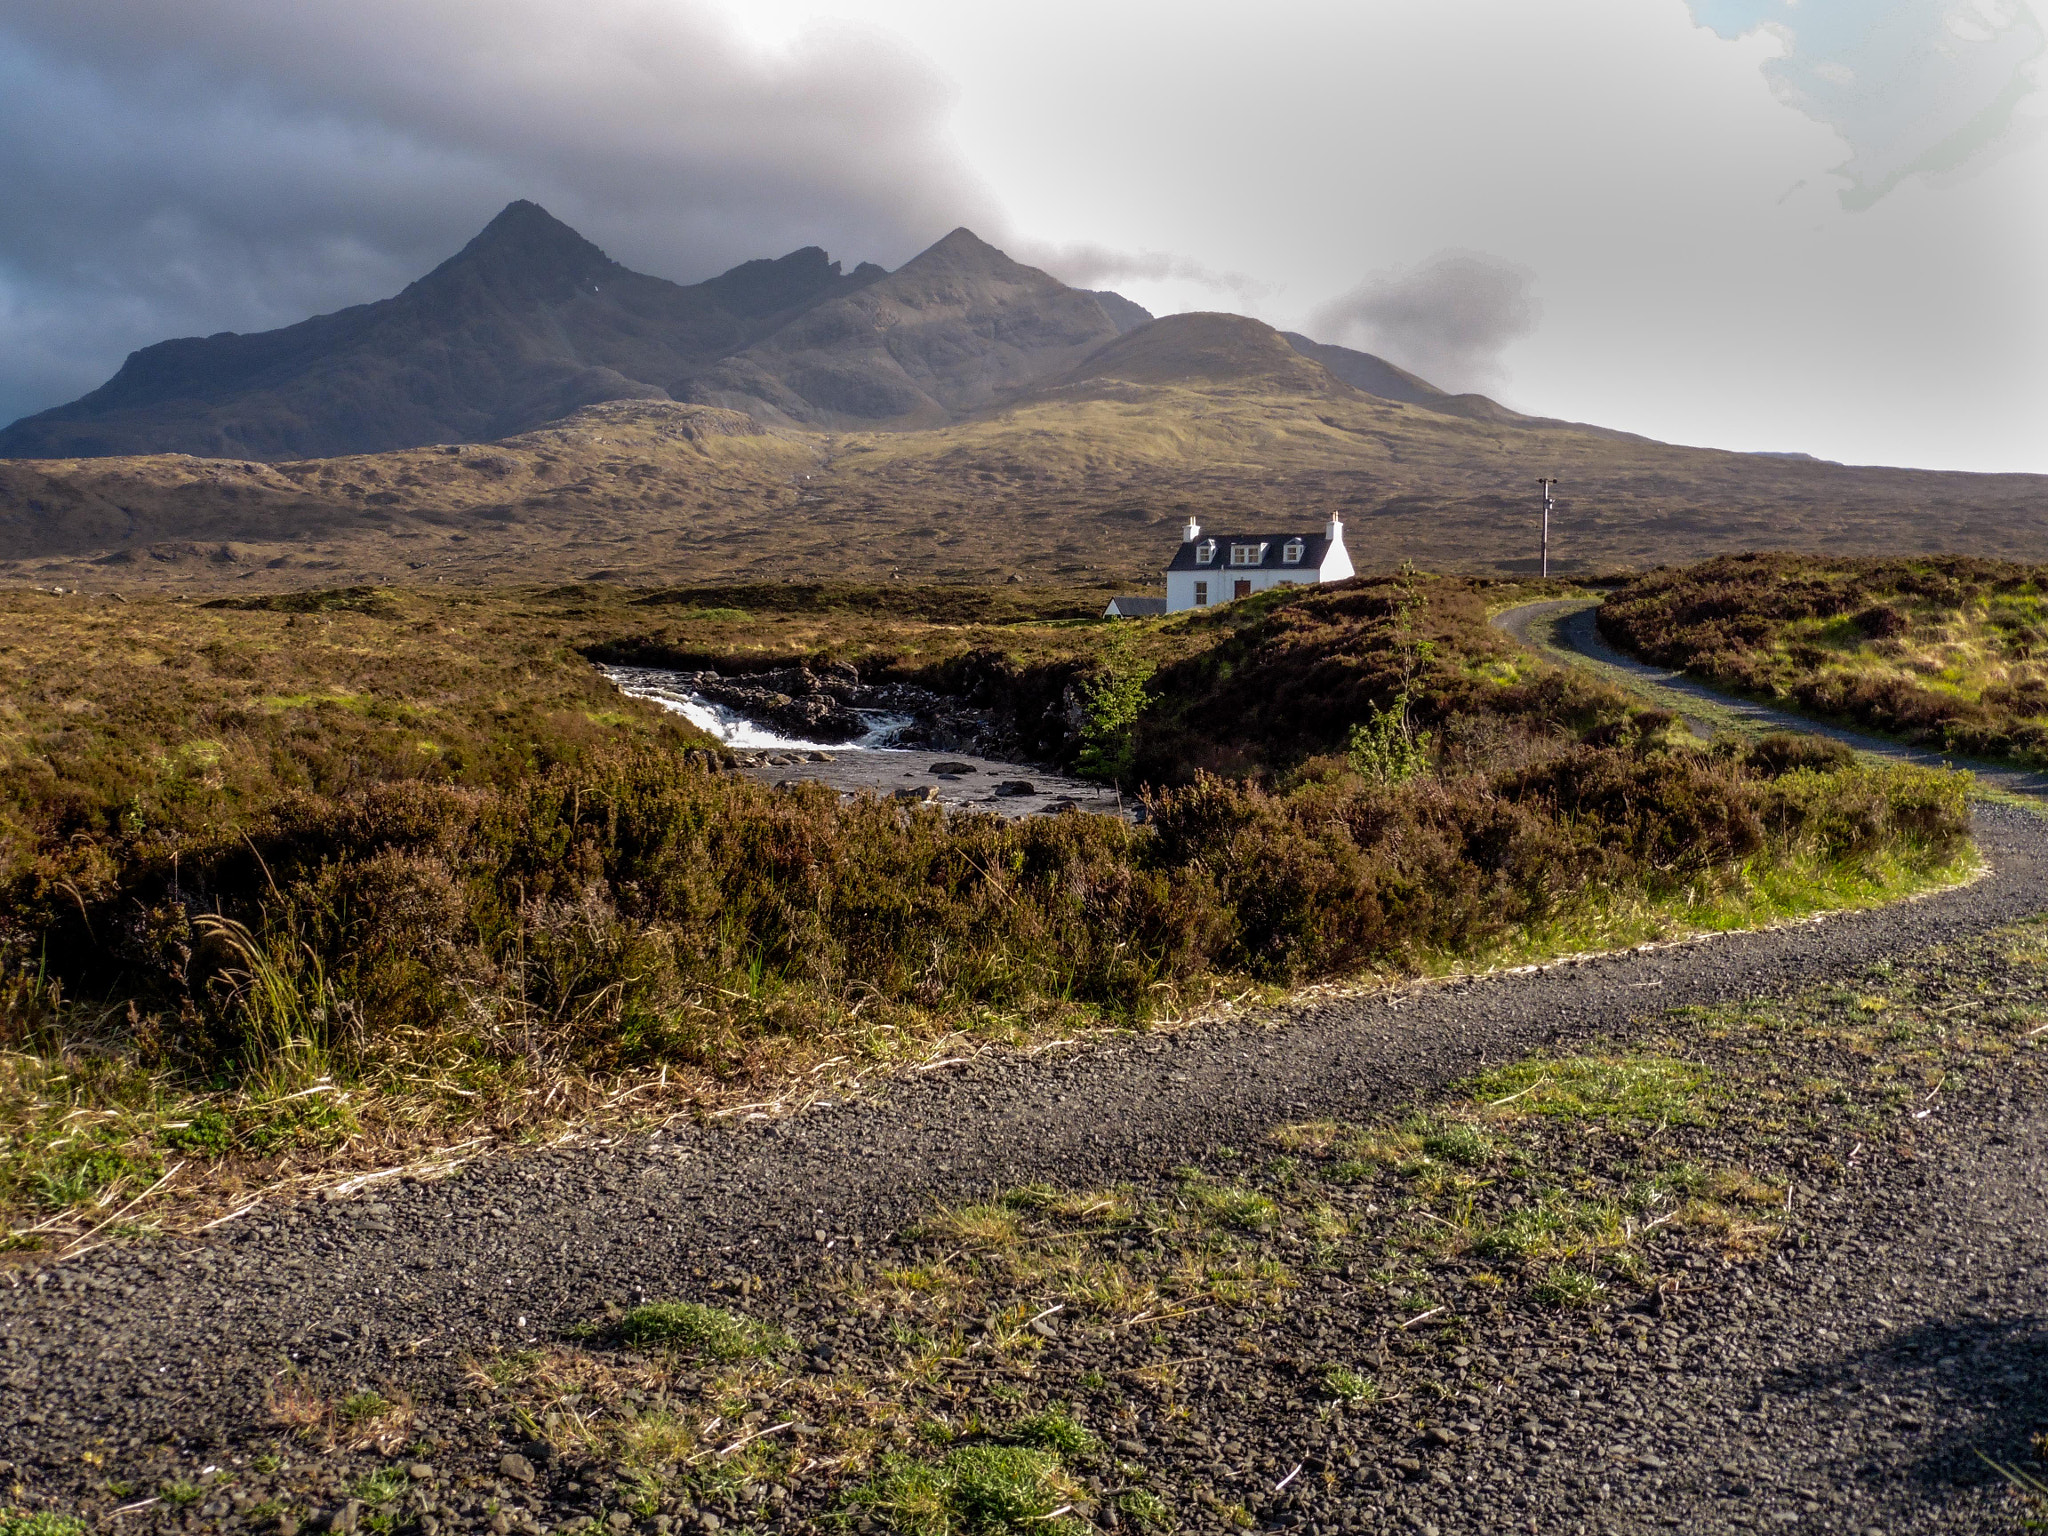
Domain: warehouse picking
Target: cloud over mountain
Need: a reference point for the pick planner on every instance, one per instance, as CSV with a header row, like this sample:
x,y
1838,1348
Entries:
x,y
236,164
1449,319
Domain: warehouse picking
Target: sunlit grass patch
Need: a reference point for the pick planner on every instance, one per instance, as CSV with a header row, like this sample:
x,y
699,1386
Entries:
x,y
1309,1135
1640,1088
41,1522
1350,1386
1057,1430
1568,1287
1556,1226
983,1227
1090,1207
382,1487
1230,1205
709,1333
1457,1141
976,1490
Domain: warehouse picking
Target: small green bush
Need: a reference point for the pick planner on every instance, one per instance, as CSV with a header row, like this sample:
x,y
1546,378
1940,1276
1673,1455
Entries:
x,y
709,1332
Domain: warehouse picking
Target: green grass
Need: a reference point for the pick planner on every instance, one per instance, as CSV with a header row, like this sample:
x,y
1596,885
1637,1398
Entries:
x,y
1144,1509
1638,1088
358,1407
1055,1430
976,1490
1349,1386
710,1333
385,1487
1230,1205
1567,1287
42,1522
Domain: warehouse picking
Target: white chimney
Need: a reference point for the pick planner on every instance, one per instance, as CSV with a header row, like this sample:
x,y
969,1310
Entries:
x,y
1336,559
1192,532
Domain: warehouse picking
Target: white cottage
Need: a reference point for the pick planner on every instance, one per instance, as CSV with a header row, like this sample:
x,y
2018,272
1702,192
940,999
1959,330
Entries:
x,y
1219,568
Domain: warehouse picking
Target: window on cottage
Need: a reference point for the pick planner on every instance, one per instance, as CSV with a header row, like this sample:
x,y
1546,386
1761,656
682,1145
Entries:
x,y
1201,594
1247,554
1205,551
1293,551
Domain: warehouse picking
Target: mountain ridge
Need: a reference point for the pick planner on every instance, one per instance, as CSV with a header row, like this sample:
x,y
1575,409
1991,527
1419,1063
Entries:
x,y
530,321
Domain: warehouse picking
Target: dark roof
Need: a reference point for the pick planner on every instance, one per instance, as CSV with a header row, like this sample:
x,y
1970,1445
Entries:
x,y
1314,547
1130,607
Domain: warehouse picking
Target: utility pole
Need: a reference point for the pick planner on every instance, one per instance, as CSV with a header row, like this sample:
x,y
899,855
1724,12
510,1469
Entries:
x,y
1546,482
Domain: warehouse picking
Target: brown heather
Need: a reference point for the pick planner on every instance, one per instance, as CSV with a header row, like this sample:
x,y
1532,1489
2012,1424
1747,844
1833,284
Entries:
x,y
418,843
1949,653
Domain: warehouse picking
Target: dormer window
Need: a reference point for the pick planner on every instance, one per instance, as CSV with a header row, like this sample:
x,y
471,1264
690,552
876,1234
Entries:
x,y
1247,554
1292,551
1205,552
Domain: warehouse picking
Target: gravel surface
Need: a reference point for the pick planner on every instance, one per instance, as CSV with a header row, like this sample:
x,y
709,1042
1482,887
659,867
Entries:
x,y
1837,1385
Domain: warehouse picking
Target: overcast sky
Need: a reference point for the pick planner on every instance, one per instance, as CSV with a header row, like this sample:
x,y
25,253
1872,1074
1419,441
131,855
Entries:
x,y
1819,226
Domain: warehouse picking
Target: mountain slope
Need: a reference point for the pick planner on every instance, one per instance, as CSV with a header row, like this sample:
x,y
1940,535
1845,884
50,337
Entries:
x,y
949,332
523,325
1200,349
1085,479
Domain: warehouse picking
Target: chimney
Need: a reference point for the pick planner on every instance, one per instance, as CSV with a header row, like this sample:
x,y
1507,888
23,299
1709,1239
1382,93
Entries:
x,y
1192,532
1334,531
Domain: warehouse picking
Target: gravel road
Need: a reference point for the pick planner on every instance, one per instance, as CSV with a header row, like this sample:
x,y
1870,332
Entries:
x,y
1837,1388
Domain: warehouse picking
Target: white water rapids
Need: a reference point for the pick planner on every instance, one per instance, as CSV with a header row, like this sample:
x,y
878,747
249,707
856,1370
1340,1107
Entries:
x,y
736,730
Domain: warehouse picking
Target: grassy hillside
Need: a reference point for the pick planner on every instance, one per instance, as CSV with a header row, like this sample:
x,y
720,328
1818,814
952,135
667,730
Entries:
x,y
1948,653
315,878
1088,481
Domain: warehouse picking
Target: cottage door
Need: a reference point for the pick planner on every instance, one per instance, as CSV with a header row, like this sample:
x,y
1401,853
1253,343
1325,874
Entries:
x,y
1244,589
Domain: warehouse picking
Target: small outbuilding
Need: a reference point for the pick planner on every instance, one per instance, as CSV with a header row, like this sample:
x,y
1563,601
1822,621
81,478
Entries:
x,y
1124,606
1214,568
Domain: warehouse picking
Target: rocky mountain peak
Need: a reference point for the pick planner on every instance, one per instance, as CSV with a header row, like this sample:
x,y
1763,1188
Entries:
x,y
524,248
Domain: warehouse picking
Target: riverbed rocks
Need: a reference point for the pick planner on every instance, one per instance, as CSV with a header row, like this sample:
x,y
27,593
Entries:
x,y
810,704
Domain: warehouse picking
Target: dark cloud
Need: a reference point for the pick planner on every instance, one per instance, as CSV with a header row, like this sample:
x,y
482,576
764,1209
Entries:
x,y
184,166
1449,319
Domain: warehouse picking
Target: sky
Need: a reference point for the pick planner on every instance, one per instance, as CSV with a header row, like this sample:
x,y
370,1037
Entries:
x,y
1818,226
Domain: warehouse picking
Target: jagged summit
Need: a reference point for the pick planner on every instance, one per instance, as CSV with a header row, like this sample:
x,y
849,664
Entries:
x,y
530,321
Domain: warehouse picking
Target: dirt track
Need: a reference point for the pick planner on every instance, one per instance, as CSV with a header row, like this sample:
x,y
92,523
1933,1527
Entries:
x,y
1921,1286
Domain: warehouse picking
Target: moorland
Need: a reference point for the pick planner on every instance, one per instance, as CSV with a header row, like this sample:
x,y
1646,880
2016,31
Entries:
x,y
411,842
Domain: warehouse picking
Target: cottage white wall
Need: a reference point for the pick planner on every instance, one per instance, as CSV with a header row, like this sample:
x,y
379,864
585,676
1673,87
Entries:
x,y
1180,585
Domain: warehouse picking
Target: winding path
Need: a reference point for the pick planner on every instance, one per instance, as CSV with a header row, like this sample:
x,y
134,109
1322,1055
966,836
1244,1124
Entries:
x,y
130,1348
1567,631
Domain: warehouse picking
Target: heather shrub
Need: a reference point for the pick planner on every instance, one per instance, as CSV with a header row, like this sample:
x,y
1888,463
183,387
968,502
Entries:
x,y
1942,652
565,887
